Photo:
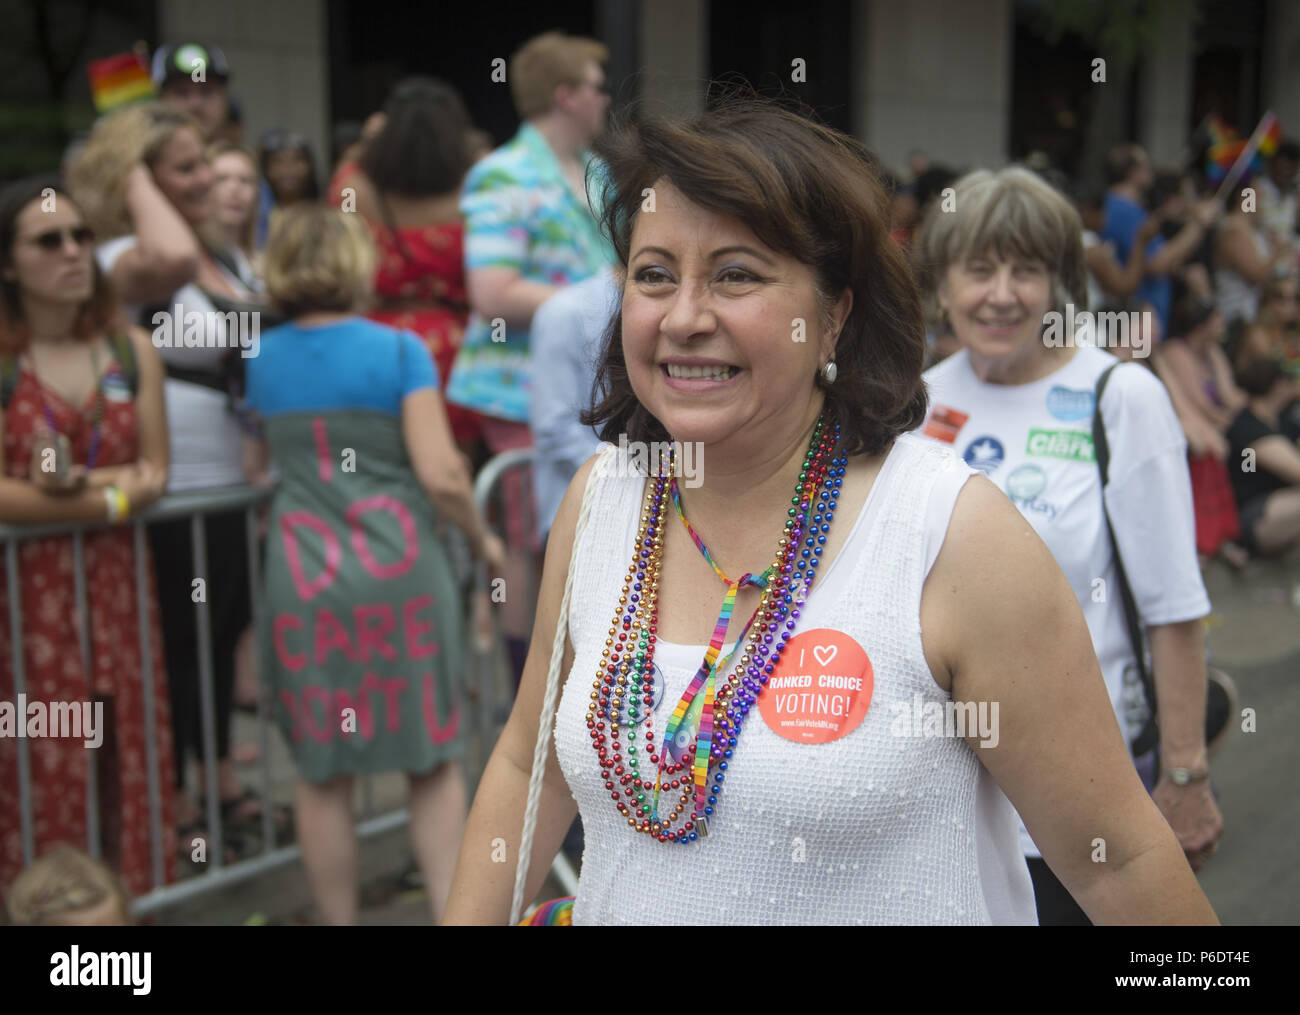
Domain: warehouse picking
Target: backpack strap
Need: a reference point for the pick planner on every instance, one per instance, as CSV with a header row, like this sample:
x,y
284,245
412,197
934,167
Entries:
x,y
1132,621
9,374
124,351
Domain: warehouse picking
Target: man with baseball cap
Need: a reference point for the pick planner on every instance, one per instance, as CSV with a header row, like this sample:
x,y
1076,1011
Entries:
x,y
192,78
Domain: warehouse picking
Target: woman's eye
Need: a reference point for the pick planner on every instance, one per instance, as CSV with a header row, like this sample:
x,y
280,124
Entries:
x,y
736,275
651,276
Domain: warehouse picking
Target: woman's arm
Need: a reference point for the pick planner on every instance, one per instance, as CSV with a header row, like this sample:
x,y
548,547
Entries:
x,y
1184,373
143,481
1122,281
1236,250
441,469
1202,436
256,456
1004,626
505,293
166,254
1178,669
1232,397
481,889
154,445
1279,456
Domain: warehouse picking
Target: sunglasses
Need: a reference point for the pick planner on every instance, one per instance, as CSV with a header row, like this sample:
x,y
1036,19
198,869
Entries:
x,y
277,139
53,239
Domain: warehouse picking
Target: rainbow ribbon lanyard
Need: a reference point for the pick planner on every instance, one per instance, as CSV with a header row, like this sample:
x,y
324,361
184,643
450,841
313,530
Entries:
x,y
692,710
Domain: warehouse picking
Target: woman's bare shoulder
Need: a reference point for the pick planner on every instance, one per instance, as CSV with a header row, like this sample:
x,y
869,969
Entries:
x,y
992,565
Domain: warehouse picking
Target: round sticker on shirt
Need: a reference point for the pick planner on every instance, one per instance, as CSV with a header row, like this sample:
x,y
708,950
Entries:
x,y
643,713
115,388
1069,404
984,453
820,690
1026,482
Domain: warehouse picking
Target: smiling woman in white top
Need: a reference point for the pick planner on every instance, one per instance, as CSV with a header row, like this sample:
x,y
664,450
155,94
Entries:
x,y
1019,409
815,773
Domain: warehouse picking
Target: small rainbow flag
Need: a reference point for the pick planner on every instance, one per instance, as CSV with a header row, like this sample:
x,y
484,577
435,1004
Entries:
x,y
118,80
1226,148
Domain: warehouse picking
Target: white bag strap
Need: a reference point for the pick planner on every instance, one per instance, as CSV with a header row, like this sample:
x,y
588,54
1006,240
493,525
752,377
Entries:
x,y
549,700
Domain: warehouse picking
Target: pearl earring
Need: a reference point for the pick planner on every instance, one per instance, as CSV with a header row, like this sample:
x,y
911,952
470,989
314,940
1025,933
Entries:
x,y
829,372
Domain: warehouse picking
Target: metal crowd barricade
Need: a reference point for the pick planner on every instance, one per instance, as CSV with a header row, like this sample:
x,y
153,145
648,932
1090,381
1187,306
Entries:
x,y
491,683
196,506
492,690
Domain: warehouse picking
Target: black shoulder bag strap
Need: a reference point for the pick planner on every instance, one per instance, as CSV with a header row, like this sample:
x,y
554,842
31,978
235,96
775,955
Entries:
x,y
1146,739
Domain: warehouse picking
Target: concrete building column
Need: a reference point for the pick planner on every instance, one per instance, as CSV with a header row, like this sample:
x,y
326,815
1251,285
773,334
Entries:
x,y
1281,84
1165,87
674,41
278,55
934,75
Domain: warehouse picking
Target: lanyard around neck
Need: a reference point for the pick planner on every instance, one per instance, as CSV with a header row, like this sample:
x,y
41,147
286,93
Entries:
x,y
692,711
93,454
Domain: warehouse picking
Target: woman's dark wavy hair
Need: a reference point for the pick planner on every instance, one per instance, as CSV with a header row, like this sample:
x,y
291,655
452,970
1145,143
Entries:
x,y
807,191
423,147
99,313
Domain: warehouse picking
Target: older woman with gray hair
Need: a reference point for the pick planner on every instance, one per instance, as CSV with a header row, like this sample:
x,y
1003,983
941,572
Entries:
x,y
1006,270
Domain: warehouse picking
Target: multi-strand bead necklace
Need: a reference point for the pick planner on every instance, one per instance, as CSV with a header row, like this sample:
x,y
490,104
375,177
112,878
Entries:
x,y
702,733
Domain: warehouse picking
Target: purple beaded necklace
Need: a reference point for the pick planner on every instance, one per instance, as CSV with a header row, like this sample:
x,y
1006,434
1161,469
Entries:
x,y
714,720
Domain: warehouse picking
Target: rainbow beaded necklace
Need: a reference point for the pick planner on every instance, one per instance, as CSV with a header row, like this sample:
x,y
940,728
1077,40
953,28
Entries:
x,y
713,719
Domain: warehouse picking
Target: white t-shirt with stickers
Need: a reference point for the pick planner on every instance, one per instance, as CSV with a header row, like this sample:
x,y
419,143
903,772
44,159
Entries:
x,y
1035,442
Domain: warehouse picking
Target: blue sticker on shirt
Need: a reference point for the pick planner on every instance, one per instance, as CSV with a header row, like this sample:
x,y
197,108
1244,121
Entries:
x,y
115,388
1069,404
984,453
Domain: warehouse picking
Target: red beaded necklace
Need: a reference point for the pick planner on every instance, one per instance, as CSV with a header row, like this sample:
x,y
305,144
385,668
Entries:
x,y
711,721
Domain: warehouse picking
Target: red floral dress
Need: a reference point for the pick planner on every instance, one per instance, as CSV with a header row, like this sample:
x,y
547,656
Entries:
x,y
423,281
53,667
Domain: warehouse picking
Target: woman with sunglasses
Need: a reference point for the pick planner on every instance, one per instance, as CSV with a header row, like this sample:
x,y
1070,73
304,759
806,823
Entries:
x,y
84,440
288,176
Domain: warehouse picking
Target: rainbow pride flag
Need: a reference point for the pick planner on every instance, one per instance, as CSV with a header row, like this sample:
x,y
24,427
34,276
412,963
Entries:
x,y
119,80
1226,147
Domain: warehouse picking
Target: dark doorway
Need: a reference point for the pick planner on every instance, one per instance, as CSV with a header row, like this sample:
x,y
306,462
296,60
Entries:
x,y
1053,96
758,42
374,45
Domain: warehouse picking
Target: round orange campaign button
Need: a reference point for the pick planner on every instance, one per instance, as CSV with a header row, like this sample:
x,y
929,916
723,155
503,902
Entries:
x,y
820,690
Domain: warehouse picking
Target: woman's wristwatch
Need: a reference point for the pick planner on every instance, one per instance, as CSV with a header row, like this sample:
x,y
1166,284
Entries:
x,y
1187,776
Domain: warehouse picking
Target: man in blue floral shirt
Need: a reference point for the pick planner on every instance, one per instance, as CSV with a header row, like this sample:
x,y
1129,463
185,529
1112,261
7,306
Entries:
x,y
529,229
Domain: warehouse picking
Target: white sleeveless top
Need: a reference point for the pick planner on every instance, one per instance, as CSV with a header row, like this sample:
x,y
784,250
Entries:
x,y
1235,296
872,828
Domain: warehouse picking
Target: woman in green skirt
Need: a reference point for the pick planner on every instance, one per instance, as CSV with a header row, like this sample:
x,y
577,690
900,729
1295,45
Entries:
x,y
363,633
